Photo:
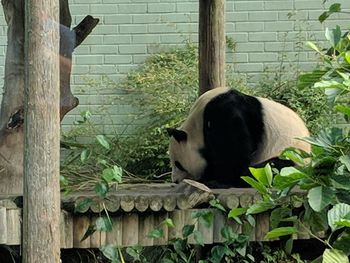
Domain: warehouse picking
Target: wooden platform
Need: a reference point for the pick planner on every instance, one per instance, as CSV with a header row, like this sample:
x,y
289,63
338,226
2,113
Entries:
x,y
138,209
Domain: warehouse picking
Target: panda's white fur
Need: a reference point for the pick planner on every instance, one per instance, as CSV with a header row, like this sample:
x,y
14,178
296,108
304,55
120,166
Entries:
x,y
282,128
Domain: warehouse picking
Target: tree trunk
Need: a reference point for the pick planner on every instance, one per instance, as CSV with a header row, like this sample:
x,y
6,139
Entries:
x,y
12,113
41,210
211,44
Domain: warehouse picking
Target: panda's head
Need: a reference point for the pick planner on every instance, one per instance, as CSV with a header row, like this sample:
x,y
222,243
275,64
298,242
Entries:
x,y
186,159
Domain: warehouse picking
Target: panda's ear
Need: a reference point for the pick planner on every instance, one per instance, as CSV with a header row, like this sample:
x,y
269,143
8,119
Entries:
x,y
179,135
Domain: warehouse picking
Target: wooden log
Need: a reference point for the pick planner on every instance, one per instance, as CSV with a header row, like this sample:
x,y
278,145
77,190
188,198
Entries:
x,y
112,203
3,226
246,200
231,201
78,200
127,203
169,203
13,223
96,206
146,225
196,193
115,236
212,47
130,229
81,224
183,202
66,229
156,203
141,203
41,210
178,217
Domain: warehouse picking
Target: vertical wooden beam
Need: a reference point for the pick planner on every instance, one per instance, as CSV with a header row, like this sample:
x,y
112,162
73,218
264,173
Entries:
x,y
41,218
211,44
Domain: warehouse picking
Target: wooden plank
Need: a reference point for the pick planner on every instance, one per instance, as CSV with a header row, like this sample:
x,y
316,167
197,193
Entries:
x,y
3,226
189,220
262,226
95,238
158,223
219,223
130,230
177,216
81,224
13,222
207,231
146,225
66,228
114,237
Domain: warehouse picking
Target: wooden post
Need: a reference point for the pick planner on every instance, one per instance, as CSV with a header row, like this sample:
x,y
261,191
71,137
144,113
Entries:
x,y
211,44
41,226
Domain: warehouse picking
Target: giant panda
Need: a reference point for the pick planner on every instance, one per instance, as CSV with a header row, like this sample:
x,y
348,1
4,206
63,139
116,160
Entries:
x,y
226,132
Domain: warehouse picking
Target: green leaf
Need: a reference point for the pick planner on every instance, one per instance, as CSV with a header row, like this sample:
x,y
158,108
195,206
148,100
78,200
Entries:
x,y
333,36
156,233
319,197
91,229
293,155
85,155
335,7
316,220
262,175
237,212
343,243
103,223
343,222
343,109
278,214
313,46
260,207
103,141
338,212
288,177
112,174
227,233
347,56
255,184
83,205
101,189
216,203
334,256
205,216
187,230
110,252
281,231
169,222
345,159
198,237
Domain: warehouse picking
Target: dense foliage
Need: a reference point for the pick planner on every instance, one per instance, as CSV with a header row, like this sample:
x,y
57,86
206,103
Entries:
x,y
324,173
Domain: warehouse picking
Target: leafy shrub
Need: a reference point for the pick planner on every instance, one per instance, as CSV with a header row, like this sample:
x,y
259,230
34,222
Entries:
x,y
324,174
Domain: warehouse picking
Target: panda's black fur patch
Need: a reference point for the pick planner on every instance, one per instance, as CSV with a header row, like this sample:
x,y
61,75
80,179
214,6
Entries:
x,y
233,128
